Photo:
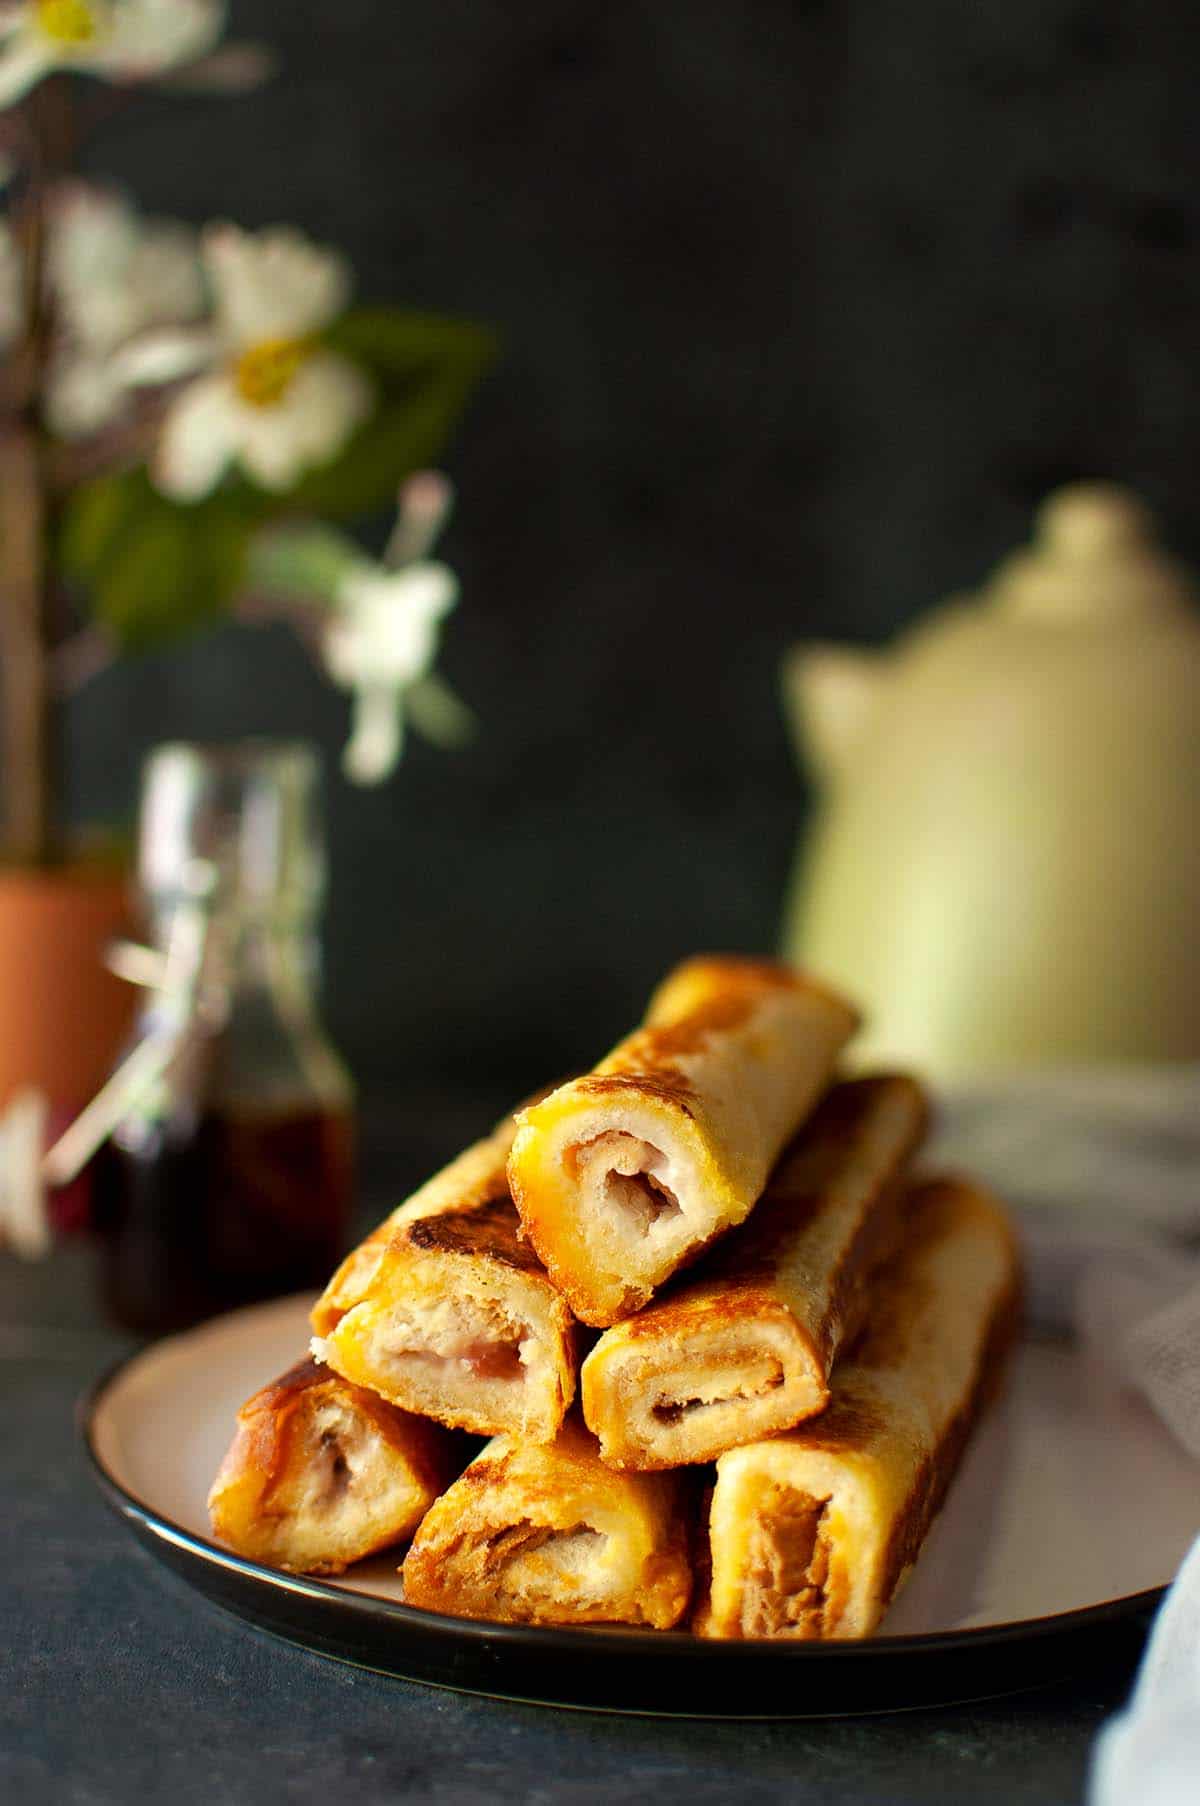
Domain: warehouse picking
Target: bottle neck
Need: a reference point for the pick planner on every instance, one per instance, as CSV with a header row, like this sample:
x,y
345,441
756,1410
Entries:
x,y
250,1015
276,956
251,952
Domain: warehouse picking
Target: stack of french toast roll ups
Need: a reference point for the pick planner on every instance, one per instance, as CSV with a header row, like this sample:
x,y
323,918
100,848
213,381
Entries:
x,y
726,1346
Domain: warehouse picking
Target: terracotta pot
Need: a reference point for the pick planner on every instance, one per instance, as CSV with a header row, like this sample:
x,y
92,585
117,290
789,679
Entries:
x,y
63,1016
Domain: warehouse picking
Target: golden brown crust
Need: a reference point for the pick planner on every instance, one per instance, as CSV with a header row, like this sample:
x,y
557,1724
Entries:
x,y
626,1175
754,1328
284,1493
740,1277
937,1201
446,1311
489,1230
812,1532
474,1181
798,1191
458,1321
655,1078
270,1416
280,1393
732,987
733,974
548,1535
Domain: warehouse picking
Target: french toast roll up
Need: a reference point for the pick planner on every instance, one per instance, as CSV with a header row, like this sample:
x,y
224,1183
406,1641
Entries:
x,y
743,1346
546,1534
811,1533
445,1309
460,1323
625,1174
320,1474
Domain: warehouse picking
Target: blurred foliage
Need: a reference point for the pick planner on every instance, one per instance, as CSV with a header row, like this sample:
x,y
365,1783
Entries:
x,y
150,569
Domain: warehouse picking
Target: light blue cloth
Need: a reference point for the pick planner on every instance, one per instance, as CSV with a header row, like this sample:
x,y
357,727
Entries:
x,y
1150,1754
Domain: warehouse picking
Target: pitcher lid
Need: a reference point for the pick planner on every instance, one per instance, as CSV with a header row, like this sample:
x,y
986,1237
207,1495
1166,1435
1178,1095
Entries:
x,y
1095,553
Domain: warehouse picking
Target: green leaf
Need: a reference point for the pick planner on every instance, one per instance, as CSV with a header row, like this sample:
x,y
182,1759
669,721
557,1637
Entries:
x,y
151,569
305,562
401,348
395,441
438,713
425,369
95,515
151,590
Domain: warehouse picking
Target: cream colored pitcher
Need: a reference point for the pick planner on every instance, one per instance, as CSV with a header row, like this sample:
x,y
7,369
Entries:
x,y
1004,867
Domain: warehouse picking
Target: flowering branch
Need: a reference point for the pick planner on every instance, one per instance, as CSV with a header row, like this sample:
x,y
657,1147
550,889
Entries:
x,y
177,408
376,623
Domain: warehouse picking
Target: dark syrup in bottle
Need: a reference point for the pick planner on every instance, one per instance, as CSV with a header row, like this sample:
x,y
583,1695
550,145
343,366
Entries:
x,y
198,1214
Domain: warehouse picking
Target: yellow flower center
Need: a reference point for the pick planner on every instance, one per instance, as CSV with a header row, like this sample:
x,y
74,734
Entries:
x,y
68,21
264,372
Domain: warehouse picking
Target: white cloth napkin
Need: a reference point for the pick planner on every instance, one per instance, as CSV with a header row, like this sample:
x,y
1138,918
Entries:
x,y
1104,1171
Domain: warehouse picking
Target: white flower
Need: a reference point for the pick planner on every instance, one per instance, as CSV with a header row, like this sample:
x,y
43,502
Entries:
x,y
121,40
381,642
115,274
385,628
277,402
374,622
382,639
112,276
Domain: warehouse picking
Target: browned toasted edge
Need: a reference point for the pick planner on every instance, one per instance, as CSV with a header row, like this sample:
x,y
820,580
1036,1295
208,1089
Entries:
x,y
429,1581
735,1275
268,1422
629,1457
645,1064
325,1316
850,1421
488,1230
645,1061
733,1279
881,1227
738,971
932,1482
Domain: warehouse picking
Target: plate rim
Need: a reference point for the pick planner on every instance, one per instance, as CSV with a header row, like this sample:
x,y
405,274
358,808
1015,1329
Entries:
x,y
543,1637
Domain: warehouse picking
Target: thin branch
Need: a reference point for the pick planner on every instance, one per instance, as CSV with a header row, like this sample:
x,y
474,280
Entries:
x,y
126,442
27,507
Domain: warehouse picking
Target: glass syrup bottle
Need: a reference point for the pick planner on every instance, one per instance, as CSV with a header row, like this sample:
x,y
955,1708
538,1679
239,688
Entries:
x,y
228,1178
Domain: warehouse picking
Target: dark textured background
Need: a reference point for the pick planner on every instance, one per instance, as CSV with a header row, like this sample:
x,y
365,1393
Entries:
x,y
803,307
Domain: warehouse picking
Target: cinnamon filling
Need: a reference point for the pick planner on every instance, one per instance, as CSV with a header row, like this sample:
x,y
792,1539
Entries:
x,y
667,1410
788,1568
569,1550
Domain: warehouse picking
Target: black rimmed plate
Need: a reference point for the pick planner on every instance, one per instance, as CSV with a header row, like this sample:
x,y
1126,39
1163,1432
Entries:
x,y
1072,1512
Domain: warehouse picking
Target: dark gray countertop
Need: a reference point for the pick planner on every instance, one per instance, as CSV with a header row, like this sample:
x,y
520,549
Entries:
x,y
120,1685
